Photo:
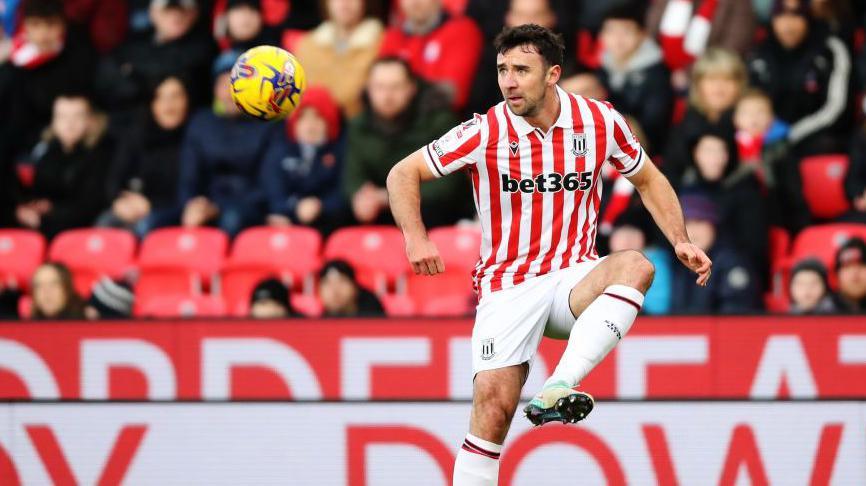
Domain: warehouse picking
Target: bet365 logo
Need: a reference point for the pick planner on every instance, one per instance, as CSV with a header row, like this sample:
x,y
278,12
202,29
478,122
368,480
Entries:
x,y
552,182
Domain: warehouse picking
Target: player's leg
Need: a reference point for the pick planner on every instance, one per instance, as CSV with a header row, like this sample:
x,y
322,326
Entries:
x,y
606,301
508,327
494,400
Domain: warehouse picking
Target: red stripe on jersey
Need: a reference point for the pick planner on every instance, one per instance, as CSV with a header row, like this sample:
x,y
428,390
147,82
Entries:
x,y
601,149
626,147
537,209
558,200
462,151
473,177
579,196
516,212
491,164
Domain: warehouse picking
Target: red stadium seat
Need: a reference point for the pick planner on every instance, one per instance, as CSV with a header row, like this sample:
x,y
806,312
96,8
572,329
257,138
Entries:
x,y
423,288
167,306
292,254
25,307
398,305
459,247
178,260
306,304
21,252
449,306
376,252
92,253
823,179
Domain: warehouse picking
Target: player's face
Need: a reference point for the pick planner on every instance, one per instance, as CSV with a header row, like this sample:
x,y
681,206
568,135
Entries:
x,y
524,79
807,289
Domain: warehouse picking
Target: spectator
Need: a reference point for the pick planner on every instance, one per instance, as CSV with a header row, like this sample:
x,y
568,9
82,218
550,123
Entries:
x,y
109,300
270,300
47,58
243,26
736,194
851,270
810,292
439,48
54,295
686,30
300,170
342,296
492,17
144,178
69,183
339,52
402,114
718,79
806,72
175,47
220,161
586,84
630,232
632,71
732,289
762,148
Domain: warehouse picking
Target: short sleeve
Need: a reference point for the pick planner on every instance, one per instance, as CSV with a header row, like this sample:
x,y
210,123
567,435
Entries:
x,y
458,148
626,155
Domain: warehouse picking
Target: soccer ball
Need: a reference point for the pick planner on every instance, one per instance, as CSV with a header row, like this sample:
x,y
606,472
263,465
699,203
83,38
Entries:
x,y
267,82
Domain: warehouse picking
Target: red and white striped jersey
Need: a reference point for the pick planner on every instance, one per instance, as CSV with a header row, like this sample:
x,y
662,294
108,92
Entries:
x,y
537,195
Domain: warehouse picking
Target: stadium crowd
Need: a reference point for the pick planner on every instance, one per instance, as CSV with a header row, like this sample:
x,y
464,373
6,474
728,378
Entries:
x,y
117,114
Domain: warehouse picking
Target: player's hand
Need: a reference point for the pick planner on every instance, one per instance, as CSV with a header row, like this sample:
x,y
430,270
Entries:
x,y
424,256
695,260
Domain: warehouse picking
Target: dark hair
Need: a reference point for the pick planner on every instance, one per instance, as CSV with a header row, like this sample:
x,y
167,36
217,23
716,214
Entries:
x,y
394,60
74,308
627,11
340,266
549,44
46,9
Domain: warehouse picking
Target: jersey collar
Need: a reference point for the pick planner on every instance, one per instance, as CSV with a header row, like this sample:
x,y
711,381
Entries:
x,y
523,128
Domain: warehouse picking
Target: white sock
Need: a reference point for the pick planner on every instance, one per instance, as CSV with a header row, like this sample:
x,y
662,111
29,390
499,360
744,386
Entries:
x,y
597,330
477,463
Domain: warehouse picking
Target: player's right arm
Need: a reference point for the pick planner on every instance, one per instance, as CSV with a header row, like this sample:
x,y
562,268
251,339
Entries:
x,y
404,192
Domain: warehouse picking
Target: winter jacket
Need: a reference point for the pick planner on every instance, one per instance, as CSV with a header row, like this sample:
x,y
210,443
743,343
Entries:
x,y
148,162
641,89
375,145
809,86
221,159
342,69
448,54
73,182
292,172
732,289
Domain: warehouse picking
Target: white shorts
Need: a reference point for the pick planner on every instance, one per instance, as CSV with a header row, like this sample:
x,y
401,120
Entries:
x,y
509,323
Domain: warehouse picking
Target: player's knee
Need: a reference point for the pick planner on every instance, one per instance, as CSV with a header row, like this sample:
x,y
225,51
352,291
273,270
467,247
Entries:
x,y
638,269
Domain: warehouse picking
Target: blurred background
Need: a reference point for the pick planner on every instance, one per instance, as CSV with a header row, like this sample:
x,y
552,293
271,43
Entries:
x,y
164,258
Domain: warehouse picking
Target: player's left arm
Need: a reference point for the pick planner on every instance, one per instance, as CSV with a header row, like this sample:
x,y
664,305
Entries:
x,y
660,199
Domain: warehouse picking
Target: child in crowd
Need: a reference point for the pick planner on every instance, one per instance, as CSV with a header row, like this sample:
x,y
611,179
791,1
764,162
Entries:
x,y
809,290
760,135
